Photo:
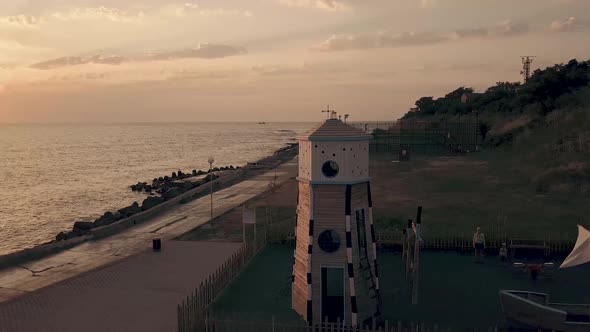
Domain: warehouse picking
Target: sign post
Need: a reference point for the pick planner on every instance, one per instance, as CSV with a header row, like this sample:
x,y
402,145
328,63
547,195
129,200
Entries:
x,y
248,218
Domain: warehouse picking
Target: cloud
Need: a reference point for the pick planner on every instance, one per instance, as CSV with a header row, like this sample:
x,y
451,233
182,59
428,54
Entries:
x,y
427,3
385,40
11,45
99,13
76,60
327,5
13,53
471,33
204,51
508,28
19,22
379,40
568,24
167,13
194,9
502,29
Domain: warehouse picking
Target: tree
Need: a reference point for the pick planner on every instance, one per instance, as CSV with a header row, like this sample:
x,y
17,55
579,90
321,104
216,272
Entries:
x,y
425,105
456,94
546,90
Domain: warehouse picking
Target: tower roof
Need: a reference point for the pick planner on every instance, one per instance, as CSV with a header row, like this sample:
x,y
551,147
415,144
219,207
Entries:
x,y
335,130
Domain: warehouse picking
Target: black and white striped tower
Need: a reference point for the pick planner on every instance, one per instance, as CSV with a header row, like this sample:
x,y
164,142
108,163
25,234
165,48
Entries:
x,y
335,259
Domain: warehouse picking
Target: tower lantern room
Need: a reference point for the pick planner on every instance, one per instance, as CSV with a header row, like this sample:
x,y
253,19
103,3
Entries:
x,y
335,274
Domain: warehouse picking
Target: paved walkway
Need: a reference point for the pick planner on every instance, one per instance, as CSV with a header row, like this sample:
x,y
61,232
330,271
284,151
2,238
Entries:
x,y
17,284
140,293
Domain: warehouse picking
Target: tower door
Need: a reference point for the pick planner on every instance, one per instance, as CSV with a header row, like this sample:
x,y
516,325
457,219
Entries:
x,y
361,232
332,292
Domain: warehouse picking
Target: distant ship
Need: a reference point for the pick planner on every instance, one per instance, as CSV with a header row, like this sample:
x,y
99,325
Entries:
x,y
262,122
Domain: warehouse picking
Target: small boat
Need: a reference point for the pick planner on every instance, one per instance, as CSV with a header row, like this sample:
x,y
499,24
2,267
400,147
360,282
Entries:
x,y
534,310
262,122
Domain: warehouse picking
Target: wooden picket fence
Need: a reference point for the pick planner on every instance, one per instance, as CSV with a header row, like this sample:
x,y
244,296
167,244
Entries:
x,y
232,325
192,312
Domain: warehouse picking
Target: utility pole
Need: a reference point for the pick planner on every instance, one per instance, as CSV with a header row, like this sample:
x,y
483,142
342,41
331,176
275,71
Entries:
x,y
527,60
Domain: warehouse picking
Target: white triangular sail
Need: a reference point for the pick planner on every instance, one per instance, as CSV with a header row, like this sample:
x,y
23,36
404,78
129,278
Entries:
x,y
581,252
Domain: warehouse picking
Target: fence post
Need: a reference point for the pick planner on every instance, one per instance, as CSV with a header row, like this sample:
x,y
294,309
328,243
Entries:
x,y
179,319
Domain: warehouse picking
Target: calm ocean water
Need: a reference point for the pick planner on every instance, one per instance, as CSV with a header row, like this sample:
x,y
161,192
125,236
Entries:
x,y
54,175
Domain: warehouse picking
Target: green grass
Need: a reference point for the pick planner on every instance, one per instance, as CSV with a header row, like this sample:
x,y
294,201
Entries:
x,y
454,292
499,195
229,226
262,290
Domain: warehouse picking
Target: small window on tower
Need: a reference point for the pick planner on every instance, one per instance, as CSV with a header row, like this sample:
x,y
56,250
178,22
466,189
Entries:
x,y
330,169
329,241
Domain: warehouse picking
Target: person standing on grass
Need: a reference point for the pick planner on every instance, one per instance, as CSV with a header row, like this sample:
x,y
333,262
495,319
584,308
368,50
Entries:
x,y
479,244
503,252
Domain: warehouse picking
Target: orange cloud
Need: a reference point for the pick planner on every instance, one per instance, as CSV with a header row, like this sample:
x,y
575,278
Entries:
x,y
327,5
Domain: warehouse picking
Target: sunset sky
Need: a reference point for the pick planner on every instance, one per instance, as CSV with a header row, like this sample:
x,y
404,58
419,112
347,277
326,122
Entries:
x,y
267,60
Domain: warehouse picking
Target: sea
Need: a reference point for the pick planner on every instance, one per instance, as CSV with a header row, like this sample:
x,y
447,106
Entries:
x,y
53,175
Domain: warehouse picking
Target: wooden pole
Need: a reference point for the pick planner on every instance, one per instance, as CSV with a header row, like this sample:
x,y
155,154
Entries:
x,y
404,244
255,235
409,256
243,224
416,273
416,257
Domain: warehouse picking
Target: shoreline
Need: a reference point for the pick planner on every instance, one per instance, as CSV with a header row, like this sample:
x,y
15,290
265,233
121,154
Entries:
x,y
226,180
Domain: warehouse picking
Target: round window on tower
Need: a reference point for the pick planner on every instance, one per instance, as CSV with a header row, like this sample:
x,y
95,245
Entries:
x,y
329,241
330,169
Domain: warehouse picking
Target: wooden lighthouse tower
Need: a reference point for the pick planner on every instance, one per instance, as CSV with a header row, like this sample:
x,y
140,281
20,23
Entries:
x,y
335,269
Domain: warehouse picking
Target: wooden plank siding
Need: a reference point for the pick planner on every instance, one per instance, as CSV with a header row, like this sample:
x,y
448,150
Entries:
x,y
329,204
329,214
299,290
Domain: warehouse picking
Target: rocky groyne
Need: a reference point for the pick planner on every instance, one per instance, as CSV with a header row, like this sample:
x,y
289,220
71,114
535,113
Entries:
x,y
163,184
160,190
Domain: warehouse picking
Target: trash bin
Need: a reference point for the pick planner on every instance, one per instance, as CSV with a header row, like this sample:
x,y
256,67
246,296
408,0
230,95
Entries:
x,y
404,153
157,244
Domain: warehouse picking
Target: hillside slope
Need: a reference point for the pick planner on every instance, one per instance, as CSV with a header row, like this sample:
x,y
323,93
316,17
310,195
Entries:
x,y
542,127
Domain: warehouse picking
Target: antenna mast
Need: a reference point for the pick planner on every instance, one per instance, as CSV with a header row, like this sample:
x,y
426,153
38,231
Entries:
x,y
331,113
527,60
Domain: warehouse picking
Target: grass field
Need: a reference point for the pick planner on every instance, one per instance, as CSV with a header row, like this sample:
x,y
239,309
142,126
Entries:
x,y
454,291
490,190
